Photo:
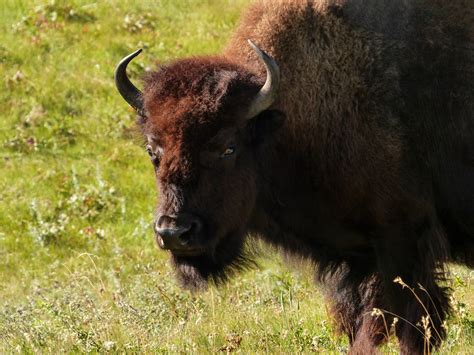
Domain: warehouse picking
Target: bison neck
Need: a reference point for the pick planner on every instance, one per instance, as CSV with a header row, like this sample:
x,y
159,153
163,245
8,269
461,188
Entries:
x,y
296,209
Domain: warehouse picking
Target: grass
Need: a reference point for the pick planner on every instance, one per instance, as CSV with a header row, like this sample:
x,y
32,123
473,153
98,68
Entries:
x,y
79,270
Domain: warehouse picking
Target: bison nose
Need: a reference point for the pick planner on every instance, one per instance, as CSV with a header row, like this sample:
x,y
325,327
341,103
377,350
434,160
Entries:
x,y
178,234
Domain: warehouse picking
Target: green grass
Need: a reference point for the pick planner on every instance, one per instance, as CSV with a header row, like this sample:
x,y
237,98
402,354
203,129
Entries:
x,y
79,270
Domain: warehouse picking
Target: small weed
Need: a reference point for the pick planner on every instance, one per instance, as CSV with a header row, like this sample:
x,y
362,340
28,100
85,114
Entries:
x,y
425,325
37,132
134,23
8,57
80,204
53,16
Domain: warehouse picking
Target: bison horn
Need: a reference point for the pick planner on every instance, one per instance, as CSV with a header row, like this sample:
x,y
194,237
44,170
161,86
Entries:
x,y
125,87
269,91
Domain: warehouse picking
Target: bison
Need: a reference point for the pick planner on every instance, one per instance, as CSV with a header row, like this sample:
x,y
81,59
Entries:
x,y
350,142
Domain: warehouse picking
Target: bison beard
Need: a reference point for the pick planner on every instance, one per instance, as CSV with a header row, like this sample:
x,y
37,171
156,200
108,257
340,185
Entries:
x,y
195,272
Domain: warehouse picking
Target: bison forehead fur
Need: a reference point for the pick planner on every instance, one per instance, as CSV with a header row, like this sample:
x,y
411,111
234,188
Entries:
x,y
364,162
201,86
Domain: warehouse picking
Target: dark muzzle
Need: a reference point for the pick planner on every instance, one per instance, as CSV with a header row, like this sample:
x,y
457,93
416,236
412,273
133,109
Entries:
x,y
179,234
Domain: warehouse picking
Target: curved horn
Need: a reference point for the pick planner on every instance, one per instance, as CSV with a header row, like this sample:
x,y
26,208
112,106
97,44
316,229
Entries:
x,y
269,91
125,87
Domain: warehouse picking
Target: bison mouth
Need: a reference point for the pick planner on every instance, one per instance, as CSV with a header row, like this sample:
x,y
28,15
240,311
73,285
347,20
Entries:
x,y
194,251
213,265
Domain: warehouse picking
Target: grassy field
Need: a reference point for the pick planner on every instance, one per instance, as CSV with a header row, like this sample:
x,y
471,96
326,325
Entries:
x,y
79,270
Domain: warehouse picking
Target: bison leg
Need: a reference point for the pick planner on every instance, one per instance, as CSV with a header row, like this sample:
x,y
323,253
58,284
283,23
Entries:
x,y
410,264
353,297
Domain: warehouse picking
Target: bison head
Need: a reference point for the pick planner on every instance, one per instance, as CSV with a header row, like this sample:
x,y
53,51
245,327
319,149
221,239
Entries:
x,y
204,120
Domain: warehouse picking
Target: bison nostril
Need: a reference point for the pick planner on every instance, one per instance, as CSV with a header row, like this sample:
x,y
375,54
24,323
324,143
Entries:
x,y
193,229
185,238
196,225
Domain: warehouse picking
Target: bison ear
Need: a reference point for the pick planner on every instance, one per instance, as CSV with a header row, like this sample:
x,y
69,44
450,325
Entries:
x,y
266,123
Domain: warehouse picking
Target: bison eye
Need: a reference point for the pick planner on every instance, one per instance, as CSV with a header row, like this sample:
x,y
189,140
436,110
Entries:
x,y
229,151
155,154
149,150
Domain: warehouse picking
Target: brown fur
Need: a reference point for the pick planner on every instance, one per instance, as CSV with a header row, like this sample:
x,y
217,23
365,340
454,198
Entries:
x,y
371,175
329,97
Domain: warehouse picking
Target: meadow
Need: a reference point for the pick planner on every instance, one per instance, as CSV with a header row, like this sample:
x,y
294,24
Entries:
x,y
79,269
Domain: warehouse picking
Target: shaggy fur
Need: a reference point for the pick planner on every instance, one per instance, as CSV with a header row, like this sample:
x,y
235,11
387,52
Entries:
x,y
371,175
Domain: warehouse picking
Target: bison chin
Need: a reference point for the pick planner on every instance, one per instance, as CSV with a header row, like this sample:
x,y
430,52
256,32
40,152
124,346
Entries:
x,y
196,272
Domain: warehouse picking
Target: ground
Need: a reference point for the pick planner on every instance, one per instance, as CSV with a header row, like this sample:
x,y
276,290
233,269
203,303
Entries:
x,y
79,269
